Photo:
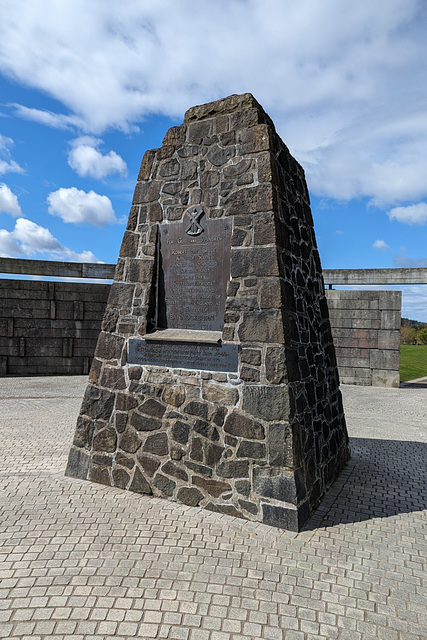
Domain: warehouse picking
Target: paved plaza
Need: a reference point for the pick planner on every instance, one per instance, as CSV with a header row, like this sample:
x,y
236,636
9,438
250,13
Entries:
x,y
84,561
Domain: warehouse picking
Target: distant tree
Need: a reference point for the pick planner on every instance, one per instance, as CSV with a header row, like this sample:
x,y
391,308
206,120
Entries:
x,y
408,335
422,336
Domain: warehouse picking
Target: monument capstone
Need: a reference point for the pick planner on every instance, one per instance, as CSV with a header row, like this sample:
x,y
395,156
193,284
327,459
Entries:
x,y
214,381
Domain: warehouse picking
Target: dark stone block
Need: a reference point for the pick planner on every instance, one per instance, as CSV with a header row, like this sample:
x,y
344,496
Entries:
x,y
199,468
129,441
125,402
149,464
275,365
157,444
196,452
123,460
102,460
266,403
213,453
264,229
280,450
248,449
251,356
233,469
140,270
249,506
78,464
206,430
242,426
164,484
105,440
152,407
129,247
209,179
97,403
113,378
262,326
260,261
172,469
120,421
100,475
120,478
219,156
219,416
243,487
121,295
84,432
214,487
280,517
109,321
147,192
139,484
249,374
227,509
278,484
189,496
147,164
195,408
109,346
250,200
236,170
145,423
180,431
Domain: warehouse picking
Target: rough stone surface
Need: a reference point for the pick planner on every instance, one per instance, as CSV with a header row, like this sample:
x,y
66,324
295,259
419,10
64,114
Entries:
x,y
263,441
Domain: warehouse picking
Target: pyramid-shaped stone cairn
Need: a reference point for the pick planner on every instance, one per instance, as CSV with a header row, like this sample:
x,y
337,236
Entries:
x,y
214,381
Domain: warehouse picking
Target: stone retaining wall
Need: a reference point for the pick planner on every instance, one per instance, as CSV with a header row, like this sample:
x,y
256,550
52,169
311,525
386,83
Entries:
x,y
49,328
366,331
42,323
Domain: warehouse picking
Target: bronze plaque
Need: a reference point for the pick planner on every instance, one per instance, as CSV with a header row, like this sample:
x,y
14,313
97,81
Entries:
x,y
184,355
193,272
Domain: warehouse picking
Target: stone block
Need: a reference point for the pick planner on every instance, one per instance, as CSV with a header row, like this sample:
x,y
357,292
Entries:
x,y
78,463
266,402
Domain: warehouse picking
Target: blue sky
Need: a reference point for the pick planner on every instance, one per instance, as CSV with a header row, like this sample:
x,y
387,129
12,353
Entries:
x,y
87,87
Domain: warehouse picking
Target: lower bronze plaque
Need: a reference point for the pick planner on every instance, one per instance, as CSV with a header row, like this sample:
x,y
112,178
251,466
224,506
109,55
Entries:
x,y
184,355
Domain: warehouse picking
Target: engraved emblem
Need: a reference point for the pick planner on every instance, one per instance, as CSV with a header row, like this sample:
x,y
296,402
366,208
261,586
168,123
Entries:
x,y
194,228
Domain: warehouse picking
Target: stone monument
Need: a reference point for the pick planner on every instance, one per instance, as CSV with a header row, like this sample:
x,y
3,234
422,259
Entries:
x,y
214,381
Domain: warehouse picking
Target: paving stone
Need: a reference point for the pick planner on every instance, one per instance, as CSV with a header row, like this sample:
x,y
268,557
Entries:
x,y
87,561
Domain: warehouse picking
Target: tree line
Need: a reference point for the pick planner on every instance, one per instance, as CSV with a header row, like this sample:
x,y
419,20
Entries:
x,y
413,332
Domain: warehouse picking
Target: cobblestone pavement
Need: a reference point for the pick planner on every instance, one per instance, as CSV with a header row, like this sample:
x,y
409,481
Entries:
x,y
83,561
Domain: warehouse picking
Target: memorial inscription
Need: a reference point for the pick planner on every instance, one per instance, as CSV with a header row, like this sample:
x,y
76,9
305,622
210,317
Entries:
x,y
185,355
193,272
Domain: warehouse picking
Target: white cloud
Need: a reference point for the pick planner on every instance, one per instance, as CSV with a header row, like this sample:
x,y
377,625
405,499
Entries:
x,y
409,263
344,82
380,244
78,207
413,214
414,302
86,160
50,119
9,202
29,239
6,162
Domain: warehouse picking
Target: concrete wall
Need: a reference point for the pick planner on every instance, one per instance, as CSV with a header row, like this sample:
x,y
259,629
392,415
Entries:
x,y
49,328
366,331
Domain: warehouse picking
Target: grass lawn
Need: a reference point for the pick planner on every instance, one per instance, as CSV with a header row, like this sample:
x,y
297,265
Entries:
x,y
413,361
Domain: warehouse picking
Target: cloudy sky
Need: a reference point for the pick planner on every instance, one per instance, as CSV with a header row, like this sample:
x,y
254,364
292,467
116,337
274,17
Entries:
x,y
86,86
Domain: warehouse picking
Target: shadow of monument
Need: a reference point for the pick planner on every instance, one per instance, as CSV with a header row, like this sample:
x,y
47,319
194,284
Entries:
x,y
383,478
